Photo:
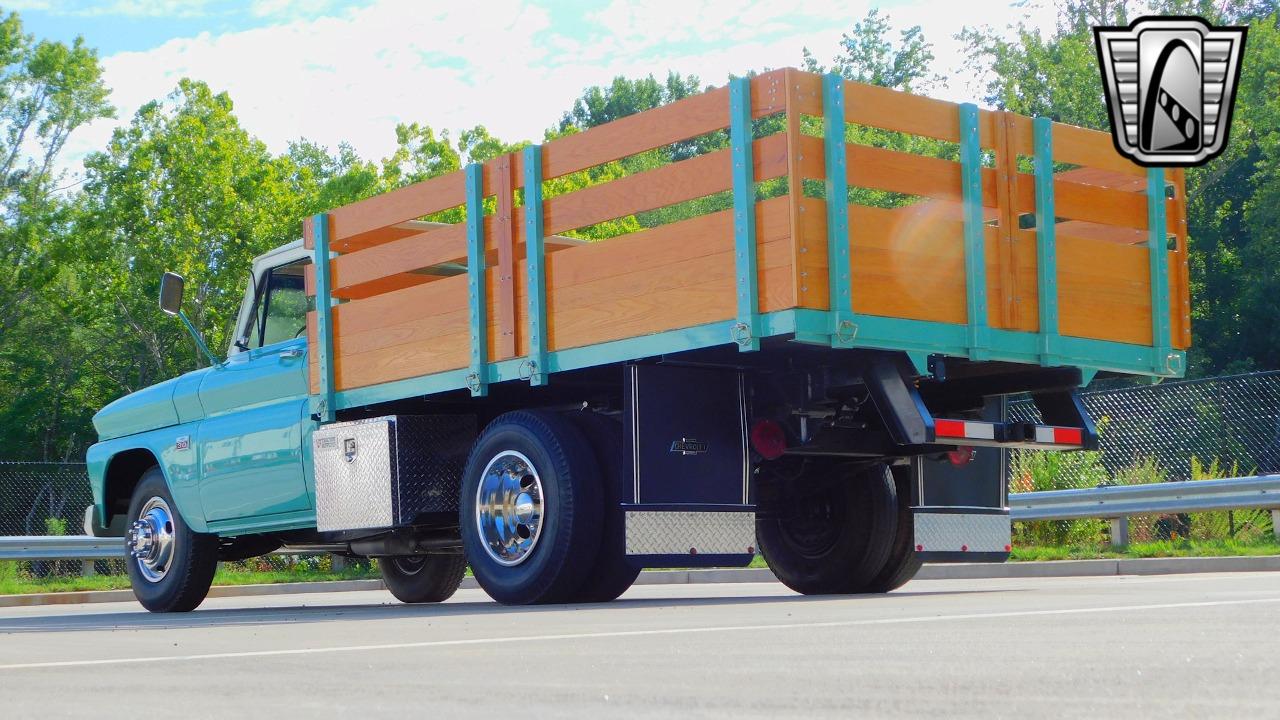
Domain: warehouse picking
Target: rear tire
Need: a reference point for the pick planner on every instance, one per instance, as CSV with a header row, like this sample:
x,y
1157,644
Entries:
x,y
904,562
423,578
170,566
612,574
830,531
530,511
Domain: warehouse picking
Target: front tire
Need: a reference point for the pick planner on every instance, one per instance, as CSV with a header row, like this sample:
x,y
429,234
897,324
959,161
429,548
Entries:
x,y
170,566
423,578
530,514
831,530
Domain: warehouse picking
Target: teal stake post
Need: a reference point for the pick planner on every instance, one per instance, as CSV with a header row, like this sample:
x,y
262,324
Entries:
x,y
1158,244
843,329
1046,241
536,363
324,316
975,263
746,331
478,379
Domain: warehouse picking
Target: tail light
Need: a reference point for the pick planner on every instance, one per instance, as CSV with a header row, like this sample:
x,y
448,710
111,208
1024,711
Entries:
x,y
768,439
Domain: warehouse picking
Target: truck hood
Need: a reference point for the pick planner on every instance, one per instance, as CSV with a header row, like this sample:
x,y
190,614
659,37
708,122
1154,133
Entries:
x,y
147,409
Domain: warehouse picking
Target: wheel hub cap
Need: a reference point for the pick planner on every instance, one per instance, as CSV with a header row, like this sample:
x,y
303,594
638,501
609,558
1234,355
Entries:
x,y
151,540
509,508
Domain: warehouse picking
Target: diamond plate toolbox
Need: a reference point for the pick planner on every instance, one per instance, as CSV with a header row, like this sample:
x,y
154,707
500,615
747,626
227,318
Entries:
x,y
384,472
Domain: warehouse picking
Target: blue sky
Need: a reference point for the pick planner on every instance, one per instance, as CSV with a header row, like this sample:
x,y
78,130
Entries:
x,y
333,71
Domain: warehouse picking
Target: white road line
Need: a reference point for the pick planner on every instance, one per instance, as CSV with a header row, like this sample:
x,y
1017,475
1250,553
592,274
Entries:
x,y
635,633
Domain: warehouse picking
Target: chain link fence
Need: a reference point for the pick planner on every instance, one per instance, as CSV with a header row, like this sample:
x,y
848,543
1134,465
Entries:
x,y
1175,431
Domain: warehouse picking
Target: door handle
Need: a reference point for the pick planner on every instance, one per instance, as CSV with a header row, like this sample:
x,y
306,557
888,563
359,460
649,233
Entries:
x,y
291,354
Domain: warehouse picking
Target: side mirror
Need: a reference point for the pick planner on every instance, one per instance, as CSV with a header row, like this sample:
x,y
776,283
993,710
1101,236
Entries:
x,y
171,287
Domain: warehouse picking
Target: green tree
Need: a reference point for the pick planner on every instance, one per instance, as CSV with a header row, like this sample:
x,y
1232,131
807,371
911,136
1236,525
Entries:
x,y
184,188
47,91
870,55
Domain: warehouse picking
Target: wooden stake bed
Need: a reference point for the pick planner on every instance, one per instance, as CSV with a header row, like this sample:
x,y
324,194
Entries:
x,y
1039,245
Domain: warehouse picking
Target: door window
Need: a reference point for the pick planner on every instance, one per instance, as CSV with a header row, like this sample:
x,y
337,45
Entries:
x,y
281,311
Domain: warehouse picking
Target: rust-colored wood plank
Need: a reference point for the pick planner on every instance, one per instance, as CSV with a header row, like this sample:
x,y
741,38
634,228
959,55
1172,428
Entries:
x,y
654,128
397,206
1179,272
1091,148
1006,173
1091,203
505,238
911,174
667,185
309,232
768,93
795,186
1104,290
903,112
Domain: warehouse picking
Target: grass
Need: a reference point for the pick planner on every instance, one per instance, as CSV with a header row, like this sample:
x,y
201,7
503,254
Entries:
x,y
1158,549
14,583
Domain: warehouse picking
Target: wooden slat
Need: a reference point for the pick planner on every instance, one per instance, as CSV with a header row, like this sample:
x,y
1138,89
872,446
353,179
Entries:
x,y
654,128
768,93
903,112
1091,203
1006,170
911,174
1179,272
800,251
1104,290
1081,146
504,235
396,206
686,180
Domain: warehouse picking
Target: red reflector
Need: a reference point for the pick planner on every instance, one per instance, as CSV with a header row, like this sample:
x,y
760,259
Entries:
x,y
961,456
768,439
948,428
964,548
1068,436
919,548
1008,548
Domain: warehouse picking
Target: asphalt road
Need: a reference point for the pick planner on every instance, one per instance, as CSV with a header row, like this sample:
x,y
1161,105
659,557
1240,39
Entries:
x,y
1132,647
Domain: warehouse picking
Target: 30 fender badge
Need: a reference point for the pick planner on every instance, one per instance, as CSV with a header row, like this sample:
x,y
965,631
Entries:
x,y
183,443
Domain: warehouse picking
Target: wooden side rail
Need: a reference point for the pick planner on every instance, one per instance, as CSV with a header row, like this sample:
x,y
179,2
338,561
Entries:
x,y
1031,238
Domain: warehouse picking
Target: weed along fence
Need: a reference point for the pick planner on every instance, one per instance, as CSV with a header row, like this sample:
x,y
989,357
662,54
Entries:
x,y
1192,430
788,203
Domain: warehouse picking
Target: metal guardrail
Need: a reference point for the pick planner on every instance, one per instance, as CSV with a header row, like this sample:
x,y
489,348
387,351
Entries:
x,y
61,547
1116,503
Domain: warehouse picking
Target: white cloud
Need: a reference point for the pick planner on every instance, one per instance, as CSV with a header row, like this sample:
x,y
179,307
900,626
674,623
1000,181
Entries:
x,y
499,63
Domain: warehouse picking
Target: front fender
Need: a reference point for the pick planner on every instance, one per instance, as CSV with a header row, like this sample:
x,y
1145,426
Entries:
x,y
175,451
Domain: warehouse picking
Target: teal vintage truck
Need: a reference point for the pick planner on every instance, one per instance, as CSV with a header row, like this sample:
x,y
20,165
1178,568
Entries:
x,y
449,374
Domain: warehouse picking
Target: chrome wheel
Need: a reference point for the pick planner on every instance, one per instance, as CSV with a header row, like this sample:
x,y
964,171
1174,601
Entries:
x,y
509,508
151,540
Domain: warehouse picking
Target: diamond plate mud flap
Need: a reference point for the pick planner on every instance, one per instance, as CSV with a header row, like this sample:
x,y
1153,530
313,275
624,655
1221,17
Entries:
x,y
690,535
962,534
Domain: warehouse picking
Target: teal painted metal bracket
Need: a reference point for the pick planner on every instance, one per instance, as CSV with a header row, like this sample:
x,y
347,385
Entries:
x,y
842,327
1046,242
535,257
975,263
324,317
478,378
1166,362
746,331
